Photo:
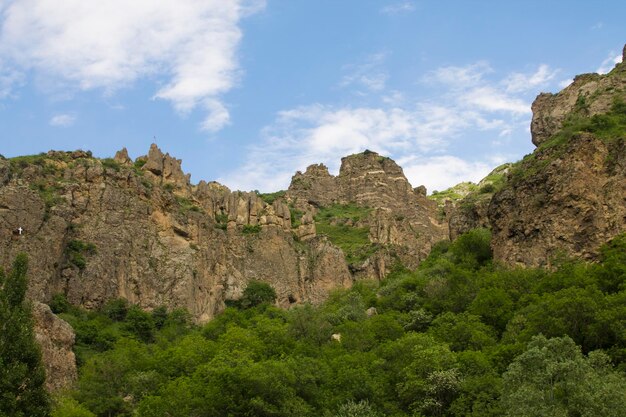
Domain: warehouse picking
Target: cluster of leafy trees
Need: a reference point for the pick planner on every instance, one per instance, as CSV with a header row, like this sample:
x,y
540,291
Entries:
x,y
458,337
22,376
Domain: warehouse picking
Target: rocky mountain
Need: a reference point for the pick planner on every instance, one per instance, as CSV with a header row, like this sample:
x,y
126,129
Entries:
x,y
100,229
569,196
401,221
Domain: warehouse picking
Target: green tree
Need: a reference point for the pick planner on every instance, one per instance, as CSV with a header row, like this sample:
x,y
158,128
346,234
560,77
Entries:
x,y
22,376
257,293
69,407
462,331
140,323
116,309
356,409
554,378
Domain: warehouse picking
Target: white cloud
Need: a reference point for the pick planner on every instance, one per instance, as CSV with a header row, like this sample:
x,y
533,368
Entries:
x,y
420,135
519,82
398,8
369,74
62,120
438,173
468,88
9,79
460,77
189,46
490,99
609,63
322,134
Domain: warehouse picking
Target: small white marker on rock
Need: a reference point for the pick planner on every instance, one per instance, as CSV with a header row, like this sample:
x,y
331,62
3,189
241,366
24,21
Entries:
x,y
20,230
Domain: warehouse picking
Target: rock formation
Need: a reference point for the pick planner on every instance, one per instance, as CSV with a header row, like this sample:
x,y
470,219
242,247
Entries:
x,y
102,229
569,196
56,338
588,94
402,218
572,205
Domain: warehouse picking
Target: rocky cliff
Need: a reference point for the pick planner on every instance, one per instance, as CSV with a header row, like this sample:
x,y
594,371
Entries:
x,y
569,196
401,220
98,229
102,229
588,95
56,338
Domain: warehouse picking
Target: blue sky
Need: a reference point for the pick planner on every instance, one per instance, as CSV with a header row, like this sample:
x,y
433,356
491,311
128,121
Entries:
x,y
246,92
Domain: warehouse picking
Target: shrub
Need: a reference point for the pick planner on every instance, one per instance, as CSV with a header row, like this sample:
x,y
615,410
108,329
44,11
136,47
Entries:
x,y
76,251
111,163
249,229
116,309
59,304
257,293
140,323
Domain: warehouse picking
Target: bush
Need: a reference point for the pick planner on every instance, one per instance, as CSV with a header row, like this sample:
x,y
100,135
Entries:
x,y
140,323
249,229
473,248
59,304
116,309
257,293
111,163
76,251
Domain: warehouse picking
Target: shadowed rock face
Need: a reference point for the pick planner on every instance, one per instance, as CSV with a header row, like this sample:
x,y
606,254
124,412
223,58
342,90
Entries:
x,y
570,197
572,206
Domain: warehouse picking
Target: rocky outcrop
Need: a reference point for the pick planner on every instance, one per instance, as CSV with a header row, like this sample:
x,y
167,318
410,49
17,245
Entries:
x,y
56,339
403,218
121,157
572,204
569,196
95,231
588,94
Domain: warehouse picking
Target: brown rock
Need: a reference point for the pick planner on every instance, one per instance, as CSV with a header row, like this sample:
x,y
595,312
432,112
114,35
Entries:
x,y
152,246
56,339
154,163
122,157
589,94
402,215
5,171
573,205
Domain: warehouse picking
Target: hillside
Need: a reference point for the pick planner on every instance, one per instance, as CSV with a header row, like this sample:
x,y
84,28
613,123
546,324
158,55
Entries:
x,y
360,271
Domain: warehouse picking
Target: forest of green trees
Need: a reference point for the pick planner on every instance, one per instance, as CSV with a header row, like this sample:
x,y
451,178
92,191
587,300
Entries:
x,y
460,336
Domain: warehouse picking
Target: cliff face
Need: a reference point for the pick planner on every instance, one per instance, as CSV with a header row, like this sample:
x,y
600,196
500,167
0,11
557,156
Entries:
x,y
569,196
102,229
572,205
589,93
402,220
97,230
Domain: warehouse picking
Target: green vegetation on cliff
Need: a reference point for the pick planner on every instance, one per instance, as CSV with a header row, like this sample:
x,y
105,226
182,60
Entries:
x,y
342,224
609,127
460,336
